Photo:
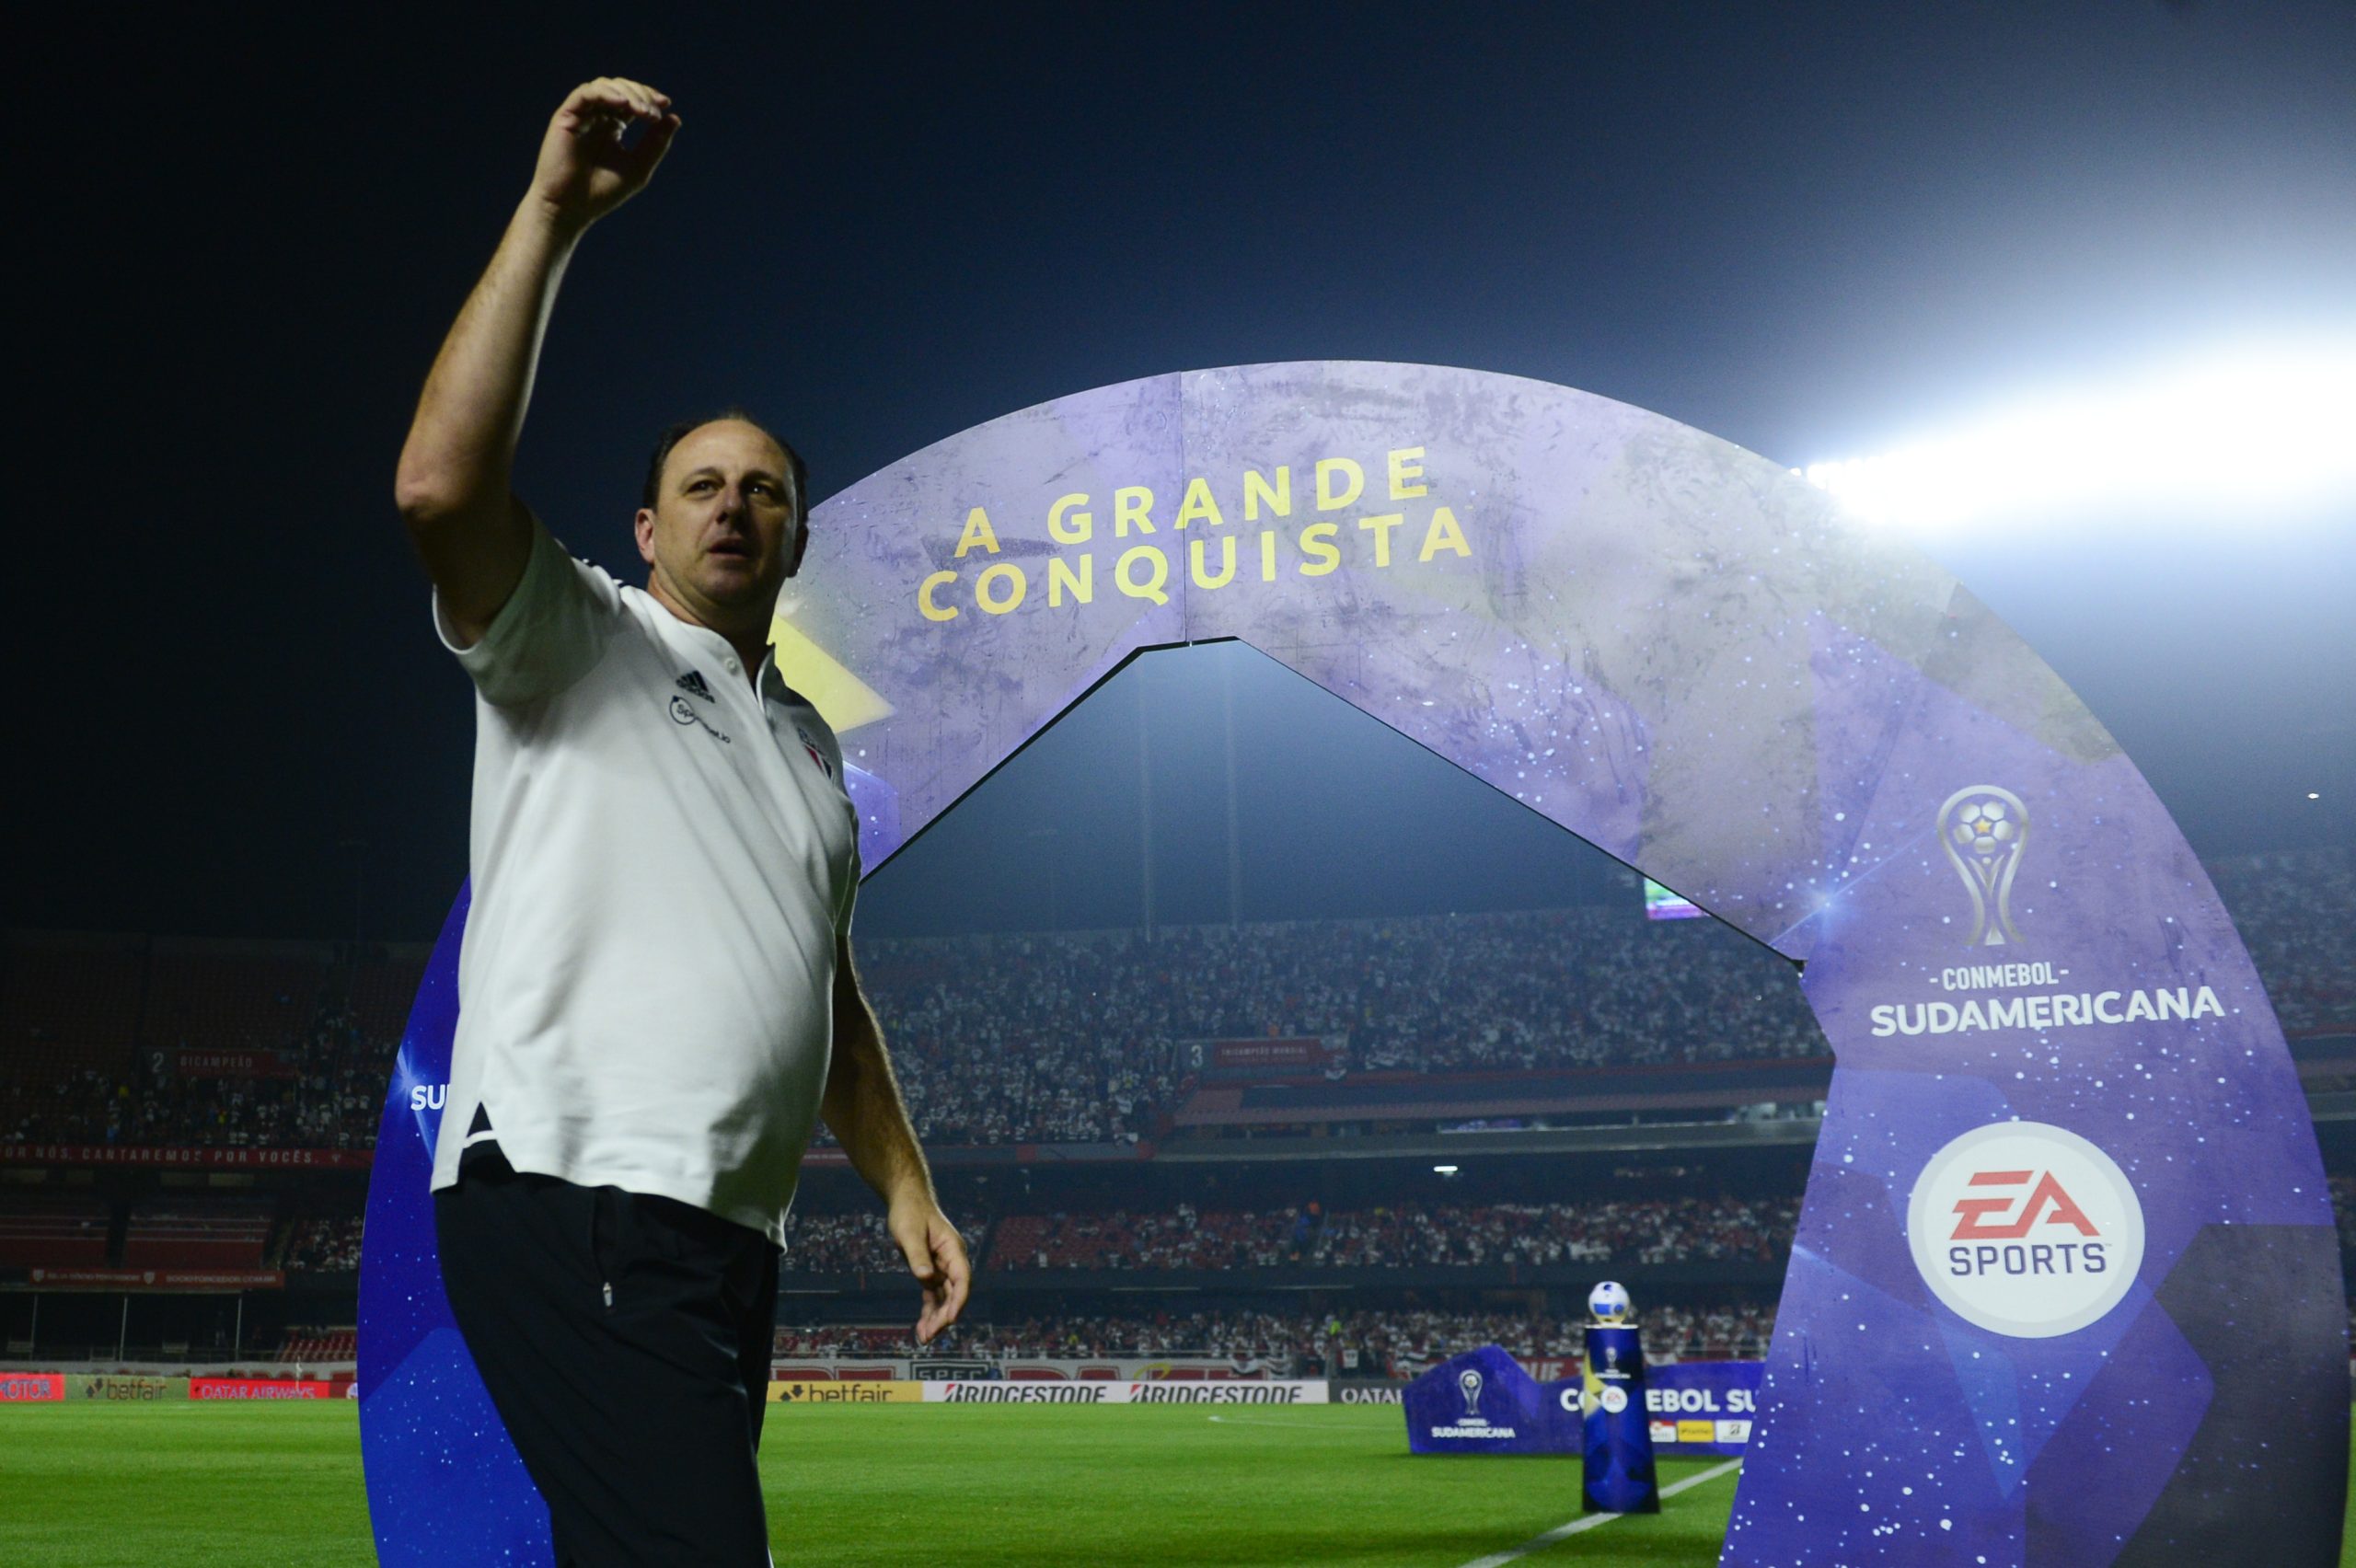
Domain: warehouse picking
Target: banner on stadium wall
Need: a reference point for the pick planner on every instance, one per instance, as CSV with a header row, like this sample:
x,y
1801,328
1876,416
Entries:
x,y
2064,1149
1140,1369
858,1391
949,1369
157,1279
262,1389
31,1387
125,1388
1702,1408
1271,1392
1304,1055
817,1372
201,1159
230,1063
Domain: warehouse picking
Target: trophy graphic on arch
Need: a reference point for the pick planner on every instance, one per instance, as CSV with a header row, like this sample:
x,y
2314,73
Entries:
x,y
1984,829
1469,1381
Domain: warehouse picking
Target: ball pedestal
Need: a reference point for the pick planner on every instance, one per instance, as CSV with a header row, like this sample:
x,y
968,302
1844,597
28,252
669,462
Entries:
x,y
1618,1446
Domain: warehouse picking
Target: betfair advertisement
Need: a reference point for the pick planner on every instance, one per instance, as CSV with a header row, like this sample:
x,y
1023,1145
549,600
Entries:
x,y
846,1391
2066,1178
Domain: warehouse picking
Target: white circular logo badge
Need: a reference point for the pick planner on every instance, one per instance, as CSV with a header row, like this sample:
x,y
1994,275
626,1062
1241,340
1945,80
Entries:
x,y
2026,1229
1615,1398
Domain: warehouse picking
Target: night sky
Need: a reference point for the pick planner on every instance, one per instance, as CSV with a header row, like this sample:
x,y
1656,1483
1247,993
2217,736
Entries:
x,y
1810,230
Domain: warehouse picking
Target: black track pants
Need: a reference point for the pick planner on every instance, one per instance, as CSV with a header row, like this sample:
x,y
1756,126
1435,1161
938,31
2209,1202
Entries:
x,y
625,1340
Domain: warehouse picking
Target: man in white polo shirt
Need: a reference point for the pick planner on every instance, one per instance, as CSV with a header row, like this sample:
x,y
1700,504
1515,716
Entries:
x,y
656,994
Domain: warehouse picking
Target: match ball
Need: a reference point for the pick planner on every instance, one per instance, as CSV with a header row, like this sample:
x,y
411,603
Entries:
x,y
1608,1302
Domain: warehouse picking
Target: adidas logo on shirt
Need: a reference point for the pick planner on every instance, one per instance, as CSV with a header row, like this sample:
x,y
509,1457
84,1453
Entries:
x,y
692,684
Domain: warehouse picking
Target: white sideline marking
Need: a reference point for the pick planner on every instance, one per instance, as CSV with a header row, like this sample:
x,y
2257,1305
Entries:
x,y
1588,1521
1297,1425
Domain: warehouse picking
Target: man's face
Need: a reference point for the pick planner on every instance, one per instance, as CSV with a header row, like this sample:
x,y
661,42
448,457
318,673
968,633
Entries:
x,y
722,530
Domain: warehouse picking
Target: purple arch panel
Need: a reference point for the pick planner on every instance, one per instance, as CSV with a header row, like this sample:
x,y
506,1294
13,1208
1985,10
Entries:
x,y
2066,1287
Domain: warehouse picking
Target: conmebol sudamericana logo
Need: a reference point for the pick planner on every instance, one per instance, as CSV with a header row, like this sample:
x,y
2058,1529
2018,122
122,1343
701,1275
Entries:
x,y
1983,829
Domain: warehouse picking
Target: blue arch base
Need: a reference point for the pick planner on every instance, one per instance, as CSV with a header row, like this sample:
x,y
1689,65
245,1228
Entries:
x,y
445,1484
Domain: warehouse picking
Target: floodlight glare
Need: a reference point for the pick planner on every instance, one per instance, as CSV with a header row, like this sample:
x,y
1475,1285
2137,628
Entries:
x,y
2250,430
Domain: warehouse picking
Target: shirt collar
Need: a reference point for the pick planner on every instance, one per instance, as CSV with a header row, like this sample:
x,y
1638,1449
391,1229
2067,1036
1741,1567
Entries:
x,y
718,647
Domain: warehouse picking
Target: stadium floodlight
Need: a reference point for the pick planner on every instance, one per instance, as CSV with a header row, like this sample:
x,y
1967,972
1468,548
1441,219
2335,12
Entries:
x,y
2243,432
1445,1170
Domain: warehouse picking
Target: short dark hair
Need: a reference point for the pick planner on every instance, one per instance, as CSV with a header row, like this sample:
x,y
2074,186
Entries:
x,y
652,489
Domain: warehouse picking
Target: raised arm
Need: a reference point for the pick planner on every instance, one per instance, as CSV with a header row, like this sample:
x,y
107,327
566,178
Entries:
x,y
862,1105
454,482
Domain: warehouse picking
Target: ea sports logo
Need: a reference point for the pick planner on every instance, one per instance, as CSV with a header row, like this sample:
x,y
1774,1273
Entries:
x,y
2026,1229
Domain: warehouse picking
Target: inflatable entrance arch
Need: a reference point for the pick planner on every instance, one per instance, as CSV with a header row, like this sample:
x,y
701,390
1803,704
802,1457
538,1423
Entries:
x,y
2066,1286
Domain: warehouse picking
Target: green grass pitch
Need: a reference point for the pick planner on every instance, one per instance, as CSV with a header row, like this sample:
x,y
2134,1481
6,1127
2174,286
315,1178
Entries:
x,y
178,1485
184,1485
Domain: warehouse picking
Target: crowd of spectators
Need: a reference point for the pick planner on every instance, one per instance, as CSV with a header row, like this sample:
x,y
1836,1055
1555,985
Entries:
x,y
1396,1342
2297,915
1447,1235
857,1243
1094,1037
328,1094
2343,1210
323,1245
1083,1038
1047,1039
1657,1231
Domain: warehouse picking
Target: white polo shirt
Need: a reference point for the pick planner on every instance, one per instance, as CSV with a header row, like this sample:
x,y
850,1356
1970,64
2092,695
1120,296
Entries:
x,y
662,858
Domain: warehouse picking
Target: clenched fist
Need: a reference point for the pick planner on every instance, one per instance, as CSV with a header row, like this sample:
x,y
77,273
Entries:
x,y
586,169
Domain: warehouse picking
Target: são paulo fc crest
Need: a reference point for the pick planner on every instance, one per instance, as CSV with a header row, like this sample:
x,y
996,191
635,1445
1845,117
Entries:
x,y
2026,1229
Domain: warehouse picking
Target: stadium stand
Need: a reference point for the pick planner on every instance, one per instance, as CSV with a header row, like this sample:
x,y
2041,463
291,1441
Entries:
x,y
72,1004
182,1233
1398,1342
1425,1235
1086,1038
2297,914
1478,1024
1093,1038
383,988
230,997
53,1232
855,1243
316,1345
317,1244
